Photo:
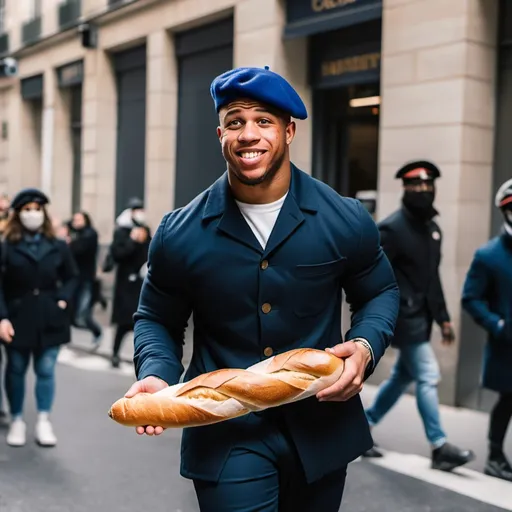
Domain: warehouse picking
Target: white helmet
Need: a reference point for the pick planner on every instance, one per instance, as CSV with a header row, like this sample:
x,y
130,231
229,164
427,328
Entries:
x,y
504,195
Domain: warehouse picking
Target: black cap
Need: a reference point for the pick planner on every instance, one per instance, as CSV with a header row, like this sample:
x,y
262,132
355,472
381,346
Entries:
x,y
28,195
135,203
420,170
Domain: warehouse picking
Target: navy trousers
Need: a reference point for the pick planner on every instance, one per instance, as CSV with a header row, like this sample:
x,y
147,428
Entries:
x,y
266,475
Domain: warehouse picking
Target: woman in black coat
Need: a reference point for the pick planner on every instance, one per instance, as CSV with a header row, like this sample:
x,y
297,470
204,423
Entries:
x,y
38,282
129,250
487,297
83,242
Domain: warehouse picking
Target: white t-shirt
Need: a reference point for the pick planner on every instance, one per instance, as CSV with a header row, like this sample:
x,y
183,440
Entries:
x,y
262,218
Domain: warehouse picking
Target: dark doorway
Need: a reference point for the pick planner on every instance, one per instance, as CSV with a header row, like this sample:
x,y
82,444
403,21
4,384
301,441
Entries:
x,y
130,69
76,144
346,137
203,54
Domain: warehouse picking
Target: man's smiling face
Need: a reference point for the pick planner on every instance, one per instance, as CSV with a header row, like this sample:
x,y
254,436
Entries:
x,y
254,139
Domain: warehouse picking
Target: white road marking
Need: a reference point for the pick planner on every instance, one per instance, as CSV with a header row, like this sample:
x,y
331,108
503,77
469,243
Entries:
x,y
463,481
91,362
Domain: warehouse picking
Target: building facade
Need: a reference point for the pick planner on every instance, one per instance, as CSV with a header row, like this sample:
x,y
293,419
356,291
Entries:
x,y
110,99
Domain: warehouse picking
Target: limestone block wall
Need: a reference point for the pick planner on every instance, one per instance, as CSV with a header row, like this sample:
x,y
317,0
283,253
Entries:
x,y
437,86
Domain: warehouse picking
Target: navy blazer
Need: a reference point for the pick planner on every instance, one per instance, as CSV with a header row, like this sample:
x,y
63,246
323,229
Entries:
x,y
205,260
487,297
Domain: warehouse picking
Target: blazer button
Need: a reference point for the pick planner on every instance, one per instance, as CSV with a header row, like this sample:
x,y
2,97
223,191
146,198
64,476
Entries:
x,y
266,308
36,291
268,351
264,265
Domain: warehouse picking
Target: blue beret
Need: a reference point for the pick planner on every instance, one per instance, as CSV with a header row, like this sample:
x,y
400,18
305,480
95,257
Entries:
x,y
28,195
260,85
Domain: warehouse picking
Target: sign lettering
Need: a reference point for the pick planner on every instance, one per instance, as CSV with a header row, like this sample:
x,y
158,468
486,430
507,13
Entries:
x,y
325,5
357,63
71,74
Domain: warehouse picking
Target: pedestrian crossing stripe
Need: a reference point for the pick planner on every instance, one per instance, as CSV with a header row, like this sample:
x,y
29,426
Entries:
x,y
466,482
92,362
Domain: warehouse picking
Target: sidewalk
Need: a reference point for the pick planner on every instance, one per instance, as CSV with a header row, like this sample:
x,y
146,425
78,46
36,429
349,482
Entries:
x,y
82,340
402,430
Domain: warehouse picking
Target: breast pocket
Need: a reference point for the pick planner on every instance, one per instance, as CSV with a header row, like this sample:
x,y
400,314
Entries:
x,y
316,286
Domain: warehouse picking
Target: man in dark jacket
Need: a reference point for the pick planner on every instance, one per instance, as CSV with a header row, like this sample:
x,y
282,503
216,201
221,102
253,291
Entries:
x,y
129,251
412,242
487,297
260,259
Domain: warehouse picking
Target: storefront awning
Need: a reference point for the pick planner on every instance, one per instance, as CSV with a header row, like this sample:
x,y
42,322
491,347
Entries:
x,y
308,17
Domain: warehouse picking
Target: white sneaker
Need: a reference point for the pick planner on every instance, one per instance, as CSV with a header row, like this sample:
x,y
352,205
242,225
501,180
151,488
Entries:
x,y
44,433
17,435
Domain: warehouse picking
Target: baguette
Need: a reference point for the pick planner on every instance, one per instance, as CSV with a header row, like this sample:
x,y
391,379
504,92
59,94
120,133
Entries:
x,y
228,393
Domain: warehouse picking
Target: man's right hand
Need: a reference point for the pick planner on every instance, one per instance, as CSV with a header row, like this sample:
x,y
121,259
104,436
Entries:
x,y
6,330
147,385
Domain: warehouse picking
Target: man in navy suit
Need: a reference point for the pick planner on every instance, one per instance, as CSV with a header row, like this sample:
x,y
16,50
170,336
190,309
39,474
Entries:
x,y
487,297
260,259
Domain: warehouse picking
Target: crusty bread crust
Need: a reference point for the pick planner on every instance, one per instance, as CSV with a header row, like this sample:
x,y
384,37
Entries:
x,y
229,393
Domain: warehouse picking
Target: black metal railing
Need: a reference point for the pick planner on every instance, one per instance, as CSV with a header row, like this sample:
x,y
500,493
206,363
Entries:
x,y
69,12
31,31
4,43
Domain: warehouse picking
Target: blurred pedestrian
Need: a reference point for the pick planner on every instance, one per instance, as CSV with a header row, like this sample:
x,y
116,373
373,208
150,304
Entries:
x,y
4,215
4,211
412,242
83,242
38,282
129,250
487,297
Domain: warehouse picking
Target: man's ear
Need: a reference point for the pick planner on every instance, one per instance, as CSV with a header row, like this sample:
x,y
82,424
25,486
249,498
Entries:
x,y
290,132
219,133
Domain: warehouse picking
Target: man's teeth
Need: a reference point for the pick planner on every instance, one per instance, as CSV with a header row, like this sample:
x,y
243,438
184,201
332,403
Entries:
x,y
253,154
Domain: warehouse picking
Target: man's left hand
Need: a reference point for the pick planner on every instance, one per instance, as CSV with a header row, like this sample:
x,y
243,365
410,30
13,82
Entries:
x,y
351,381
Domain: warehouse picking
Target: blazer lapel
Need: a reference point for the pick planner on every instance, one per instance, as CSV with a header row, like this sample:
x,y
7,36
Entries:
x,y
289,219
23,248
46,247
302,196
221,203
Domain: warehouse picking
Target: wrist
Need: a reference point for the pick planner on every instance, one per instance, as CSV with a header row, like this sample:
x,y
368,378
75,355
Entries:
x,y
368,348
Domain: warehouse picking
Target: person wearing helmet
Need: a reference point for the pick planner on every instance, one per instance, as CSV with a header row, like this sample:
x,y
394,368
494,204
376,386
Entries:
x,y
487,297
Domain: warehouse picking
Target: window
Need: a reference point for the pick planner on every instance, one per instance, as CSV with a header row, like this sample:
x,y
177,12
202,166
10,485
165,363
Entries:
x,y
2,16
35,9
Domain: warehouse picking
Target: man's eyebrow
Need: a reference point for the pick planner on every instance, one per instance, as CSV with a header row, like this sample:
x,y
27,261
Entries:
x,y
232,111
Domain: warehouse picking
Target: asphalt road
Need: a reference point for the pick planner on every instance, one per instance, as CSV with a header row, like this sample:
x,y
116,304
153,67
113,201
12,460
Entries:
x,y
100,466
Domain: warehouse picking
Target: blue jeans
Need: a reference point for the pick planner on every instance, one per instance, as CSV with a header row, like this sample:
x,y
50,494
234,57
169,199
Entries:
x,y
44,367
416,363
84,304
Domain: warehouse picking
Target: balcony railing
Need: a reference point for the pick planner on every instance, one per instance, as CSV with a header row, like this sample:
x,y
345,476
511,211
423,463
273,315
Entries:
x,y
4,43
69,12
31,31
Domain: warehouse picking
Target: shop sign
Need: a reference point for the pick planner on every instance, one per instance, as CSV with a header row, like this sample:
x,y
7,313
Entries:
x,y
306,17
337,66
71,74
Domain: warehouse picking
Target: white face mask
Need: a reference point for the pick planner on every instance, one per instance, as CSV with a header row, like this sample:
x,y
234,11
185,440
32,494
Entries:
x,y
139,217
32,219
